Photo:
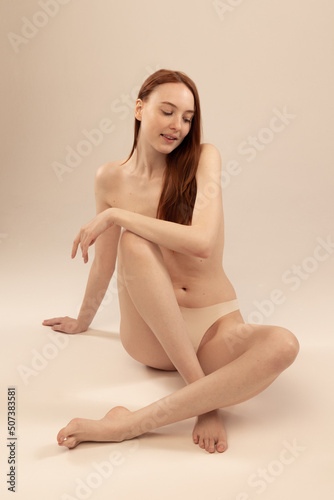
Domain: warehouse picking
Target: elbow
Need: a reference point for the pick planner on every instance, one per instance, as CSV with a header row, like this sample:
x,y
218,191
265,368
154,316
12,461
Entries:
x,y
203,250
201,244
205,253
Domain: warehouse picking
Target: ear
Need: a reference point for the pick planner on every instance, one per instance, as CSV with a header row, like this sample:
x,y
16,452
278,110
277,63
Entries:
x,y
138,109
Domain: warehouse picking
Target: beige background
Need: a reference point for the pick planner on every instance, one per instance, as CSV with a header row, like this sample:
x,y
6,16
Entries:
x,y
74,66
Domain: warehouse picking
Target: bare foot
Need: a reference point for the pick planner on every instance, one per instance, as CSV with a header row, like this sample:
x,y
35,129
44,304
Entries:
x,y
112,427
209,432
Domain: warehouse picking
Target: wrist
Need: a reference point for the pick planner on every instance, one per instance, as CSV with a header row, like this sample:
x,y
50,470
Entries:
x,y
84,319
112,212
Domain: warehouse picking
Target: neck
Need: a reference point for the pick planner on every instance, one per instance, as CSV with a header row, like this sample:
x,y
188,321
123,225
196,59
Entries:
x,y
147,161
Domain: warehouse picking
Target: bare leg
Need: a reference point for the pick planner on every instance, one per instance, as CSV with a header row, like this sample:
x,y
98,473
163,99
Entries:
x,y
234,383
142,274
251,367
151,320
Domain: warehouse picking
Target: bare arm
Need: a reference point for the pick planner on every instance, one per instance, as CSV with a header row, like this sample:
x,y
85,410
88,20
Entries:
x,y
198,239
100,274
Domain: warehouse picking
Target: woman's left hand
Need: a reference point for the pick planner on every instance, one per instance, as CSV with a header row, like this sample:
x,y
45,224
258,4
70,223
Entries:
x,y
90,232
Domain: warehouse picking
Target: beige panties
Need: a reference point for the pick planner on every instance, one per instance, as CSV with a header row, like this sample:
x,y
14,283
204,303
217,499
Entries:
x,y
199,319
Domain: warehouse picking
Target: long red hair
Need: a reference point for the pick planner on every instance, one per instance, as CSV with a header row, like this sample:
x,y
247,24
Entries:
x,y
179,189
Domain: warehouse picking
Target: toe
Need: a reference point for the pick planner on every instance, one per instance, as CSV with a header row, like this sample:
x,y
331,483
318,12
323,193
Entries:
x,y
61,436
67,431
195,438
221,446
210,446
70,442
201,443
207,443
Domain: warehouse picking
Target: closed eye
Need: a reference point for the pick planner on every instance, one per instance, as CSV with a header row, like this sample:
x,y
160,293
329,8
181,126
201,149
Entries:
x,y
186,120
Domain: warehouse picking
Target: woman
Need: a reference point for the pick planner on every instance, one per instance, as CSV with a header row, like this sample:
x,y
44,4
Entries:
x,y
179,310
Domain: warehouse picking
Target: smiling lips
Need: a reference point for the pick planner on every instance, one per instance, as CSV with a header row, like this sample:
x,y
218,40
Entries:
x,y
169,138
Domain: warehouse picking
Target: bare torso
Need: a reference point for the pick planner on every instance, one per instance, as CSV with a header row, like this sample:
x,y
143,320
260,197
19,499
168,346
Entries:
x,y
197,282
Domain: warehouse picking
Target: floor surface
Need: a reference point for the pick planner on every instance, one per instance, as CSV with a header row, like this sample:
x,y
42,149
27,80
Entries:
x,y
280,443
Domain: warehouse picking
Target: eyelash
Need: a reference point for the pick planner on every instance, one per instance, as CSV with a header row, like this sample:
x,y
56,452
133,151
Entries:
x,y
169,114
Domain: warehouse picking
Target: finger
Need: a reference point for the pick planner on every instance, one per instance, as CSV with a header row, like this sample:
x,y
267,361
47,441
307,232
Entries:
x,y
52,321
84,253
84,249
85,244
59,328
75,246
85,257
56,327
65,331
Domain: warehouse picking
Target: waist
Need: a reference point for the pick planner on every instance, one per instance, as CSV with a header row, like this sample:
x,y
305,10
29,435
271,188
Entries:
x,y
204,293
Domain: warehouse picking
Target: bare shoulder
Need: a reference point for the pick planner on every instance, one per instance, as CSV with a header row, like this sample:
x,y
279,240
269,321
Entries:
x,y
107,180
210,159
108,173
207,148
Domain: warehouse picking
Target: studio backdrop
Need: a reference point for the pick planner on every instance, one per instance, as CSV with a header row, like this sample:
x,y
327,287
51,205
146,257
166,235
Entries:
x,y
71,71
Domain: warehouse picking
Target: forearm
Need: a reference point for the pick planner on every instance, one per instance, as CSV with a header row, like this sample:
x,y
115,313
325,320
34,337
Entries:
x,y
181,238
97,285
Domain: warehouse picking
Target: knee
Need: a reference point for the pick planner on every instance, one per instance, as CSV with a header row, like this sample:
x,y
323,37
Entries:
x,y
284,348
131,244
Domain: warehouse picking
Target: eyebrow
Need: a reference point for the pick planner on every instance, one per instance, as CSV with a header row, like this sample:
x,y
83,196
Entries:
x,y
173,105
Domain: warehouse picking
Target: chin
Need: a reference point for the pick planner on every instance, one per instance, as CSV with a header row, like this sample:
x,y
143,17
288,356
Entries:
x,y
169,148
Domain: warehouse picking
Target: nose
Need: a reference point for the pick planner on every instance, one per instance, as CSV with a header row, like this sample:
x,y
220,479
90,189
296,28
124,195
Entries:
x,y
175,123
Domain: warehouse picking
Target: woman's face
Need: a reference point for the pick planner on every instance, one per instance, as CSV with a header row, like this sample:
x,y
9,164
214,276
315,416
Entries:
x,y
166,116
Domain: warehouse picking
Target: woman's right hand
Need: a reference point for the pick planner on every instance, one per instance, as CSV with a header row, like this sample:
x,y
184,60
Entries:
x,y
65,325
